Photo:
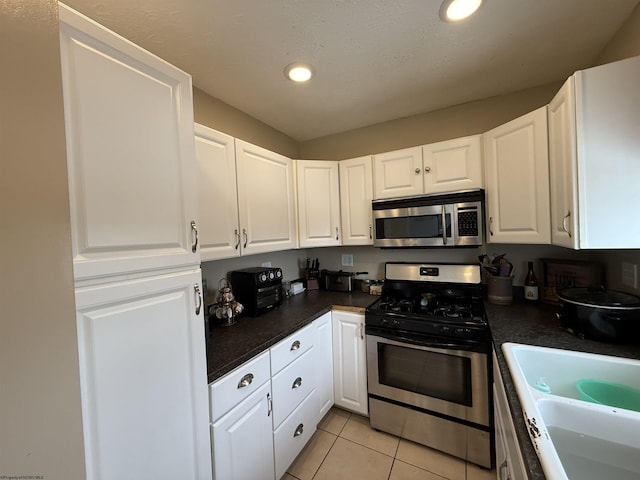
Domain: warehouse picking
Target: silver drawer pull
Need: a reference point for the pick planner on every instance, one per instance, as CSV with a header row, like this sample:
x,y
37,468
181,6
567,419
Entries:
x,y
297,383
298,431
246,380
295,345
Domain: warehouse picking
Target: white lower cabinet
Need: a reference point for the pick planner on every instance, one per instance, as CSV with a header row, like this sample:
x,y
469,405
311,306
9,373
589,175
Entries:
x,y
509,463
243,440
290,438
349,361
324,363
265,411
143,378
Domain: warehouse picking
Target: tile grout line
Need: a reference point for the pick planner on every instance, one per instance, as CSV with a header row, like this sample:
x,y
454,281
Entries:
x,y
325,456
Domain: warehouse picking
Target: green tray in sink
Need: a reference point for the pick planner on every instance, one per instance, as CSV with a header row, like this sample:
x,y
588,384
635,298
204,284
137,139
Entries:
x,y
607,393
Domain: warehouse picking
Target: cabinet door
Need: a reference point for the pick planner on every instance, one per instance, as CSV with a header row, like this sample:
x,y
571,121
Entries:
x,y
318,203
265,200
243,440
143,378
356,193
398,173
131,161
217,194
517,180
607,103
509,463
453,165
324,363
563,174
349,361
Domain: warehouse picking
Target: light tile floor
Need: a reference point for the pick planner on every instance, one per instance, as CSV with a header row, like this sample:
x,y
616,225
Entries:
x,y
346,447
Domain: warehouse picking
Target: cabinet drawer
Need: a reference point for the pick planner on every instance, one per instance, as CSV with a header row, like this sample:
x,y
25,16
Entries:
x,y
292,385
291,348
230,390
294,433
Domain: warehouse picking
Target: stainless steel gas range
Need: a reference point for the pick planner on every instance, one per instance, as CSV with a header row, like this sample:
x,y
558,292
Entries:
x,y
428,359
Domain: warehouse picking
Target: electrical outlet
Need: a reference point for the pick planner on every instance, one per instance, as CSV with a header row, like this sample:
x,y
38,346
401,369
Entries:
x,y
266,264
630,274
347,260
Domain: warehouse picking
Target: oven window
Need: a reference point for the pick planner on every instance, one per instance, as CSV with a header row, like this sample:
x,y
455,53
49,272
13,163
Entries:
x,y
437,375
422,226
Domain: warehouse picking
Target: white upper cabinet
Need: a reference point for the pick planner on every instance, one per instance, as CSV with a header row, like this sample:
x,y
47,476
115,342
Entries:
x,y
217,194
594,147
266,200
517,180
318,203
356,193
447,166
398,173
131,162
453,165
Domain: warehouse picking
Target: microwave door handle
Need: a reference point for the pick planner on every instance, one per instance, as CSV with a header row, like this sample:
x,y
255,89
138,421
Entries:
x,y
444,225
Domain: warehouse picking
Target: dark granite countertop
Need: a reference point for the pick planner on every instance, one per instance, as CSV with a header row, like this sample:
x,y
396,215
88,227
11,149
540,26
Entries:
x,y
229,347
537,325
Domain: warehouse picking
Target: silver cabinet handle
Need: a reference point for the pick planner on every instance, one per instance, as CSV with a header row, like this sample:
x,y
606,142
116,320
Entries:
x,y
269,405
444,225
427,169
490,225
196,289
370,232
297,383
502,468
417,170
194,229
246,380
299,430
246,237
564,223
337,233
295,345
237,234
362,331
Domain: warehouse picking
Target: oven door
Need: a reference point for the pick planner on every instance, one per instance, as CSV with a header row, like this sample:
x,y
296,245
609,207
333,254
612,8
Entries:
x,y
434,376
425,226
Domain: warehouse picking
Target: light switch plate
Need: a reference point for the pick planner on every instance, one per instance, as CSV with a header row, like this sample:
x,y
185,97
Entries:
x,y
347,260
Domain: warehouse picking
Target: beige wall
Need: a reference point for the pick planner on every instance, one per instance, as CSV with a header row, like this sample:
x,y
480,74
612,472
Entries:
x,y
457,121
220,116
626,43
40,416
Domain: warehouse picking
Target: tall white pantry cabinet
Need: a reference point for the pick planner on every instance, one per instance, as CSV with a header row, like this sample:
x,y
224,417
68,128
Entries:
x,y
141,346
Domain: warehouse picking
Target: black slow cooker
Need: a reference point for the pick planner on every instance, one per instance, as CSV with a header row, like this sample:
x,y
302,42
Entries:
x,y
605,315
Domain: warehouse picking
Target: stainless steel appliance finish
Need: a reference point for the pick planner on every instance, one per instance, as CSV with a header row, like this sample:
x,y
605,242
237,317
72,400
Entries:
x,y
442,220
428,352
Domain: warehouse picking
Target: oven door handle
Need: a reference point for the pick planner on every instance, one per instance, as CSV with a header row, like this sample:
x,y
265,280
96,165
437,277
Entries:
x,y
420,341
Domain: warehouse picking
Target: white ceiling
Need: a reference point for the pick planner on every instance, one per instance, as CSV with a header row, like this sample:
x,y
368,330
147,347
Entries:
x,y
375,60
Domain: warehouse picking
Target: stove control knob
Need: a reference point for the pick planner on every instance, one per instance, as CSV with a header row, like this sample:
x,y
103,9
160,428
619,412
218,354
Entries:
x,y
272,275
445,329
396,323
385,321
263,277
459,331
278,273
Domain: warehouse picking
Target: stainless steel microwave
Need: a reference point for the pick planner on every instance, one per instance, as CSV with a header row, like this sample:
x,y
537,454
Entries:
x,y
439,220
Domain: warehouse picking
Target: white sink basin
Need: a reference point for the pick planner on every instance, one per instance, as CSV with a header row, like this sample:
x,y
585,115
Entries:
x,y
575,439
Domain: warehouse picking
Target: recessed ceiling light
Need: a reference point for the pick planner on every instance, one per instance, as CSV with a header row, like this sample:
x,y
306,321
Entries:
x,y
298,72
456,10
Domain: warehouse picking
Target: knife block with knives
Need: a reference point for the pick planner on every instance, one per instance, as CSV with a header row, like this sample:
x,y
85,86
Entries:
x,y
312,274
